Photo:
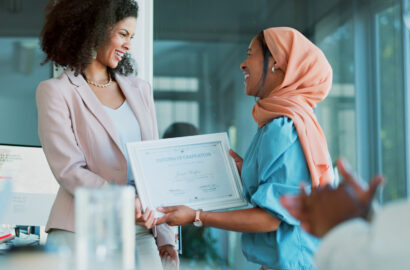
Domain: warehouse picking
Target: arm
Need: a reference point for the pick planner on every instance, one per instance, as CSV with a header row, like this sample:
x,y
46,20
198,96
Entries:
x,y
268,213
64,156
244,220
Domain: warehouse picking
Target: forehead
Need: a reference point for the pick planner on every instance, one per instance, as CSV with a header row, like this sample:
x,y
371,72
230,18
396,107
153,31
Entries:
x,y
128,23
254,45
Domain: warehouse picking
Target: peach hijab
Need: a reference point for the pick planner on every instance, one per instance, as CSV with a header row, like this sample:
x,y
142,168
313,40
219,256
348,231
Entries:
x,y
307,81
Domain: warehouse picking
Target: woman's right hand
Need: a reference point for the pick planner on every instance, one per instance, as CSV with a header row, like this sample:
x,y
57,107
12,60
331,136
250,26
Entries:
x,y
238,160
147,218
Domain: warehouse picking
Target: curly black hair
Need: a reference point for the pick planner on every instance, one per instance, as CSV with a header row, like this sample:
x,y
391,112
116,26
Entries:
x,y
74,28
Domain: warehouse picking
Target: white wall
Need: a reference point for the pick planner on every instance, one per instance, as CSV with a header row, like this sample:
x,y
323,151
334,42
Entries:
x,y
142,44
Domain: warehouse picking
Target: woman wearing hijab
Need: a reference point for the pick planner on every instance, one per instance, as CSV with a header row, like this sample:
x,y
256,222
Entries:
x,y
289,75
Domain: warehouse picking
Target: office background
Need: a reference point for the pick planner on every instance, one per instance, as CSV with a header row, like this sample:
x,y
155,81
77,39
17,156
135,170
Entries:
x,y
191,51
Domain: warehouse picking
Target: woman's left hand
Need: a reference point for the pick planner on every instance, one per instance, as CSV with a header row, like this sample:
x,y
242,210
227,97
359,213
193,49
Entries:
x,y
238,161
169,257
176,215
146,218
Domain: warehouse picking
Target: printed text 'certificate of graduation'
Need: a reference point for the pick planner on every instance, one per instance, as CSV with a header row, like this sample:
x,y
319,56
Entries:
x,y
196,171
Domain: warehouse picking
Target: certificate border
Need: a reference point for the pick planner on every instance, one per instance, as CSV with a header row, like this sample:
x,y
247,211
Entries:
x,y
134,149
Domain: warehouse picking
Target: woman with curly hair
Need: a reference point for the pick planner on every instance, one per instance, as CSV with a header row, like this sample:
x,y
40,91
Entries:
x,y
88,114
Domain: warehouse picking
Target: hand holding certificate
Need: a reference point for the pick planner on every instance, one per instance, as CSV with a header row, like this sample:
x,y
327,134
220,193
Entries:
x,y
196,171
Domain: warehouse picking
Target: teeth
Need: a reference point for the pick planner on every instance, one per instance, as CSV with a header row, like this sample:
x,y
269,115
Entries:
x,y
119,54
246,76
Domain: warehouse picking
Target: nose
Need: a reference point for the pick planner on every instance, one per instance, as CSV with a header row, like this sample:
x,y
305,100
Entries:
x,y
243,66
126,45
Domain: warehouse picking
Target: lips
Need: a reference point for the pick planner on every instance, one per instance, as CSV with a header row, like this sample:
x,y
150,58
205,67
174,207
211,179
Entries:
x,y
118,54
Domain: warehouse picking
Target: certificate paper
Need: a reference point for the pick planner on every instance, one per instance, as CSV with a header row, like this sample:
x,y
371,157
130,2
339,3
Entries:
x,y
196,171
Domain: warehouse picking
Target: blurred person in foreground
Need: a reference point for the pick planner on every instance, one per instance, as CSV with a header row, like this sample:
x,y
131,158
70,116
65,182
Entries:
x,y
352,238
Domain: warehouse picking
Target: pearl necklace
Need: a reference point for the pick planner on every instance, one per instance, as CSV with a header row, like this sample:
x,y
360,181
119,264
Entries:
x,y
102,85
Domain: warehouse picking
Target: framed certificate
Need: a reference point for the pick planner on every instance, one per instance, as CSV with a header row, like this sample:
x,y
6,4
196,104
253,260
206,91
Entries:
x,y
196,171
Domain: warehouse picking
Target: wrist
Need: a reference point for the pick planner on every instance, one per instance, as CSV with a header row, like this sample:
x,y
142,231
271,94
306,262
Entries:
x,y
198,221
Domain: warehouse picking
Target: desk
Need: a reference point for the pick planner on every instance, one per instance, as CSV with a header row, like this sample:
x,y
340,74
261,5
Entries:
x,y
23,240
35,260
38,258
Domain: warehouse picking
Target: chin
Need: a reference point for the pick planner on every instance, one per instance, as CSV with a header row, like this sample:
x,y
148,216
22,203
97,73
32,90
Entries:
x,y
249,92
113,65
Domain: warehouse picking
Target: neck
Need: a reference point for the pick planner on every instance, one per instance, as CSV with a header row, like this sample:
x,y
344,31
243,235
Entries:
x,y
96,72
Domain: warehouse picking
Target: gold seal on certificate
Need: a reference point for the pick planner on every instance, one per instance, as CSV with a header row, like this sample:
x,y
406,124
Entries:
x,y
196,171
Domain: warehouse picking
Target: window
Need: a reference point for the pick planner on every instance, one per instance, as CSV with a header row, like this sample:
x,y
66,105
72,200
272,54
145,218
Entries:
x,y
391,91
20,73
169,111
337,112
20,70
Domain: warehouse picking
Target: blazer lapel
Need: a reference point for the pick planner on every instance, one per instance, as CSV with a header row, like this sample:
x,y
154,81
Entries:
x,y
94,105
135,99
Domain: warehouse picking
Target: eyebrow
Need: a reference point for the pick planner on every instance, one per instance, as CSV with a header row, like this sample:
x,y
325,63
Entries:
x,y
125,30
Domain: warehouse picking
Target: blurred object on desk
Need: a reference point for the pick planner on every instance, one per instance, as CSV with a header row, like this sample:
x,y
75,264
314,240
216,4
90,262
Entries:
x,y
105,228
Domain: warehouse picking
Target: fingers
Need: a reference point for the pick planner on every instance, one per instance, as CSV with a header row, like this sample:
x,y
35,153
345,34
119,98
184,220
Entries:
x,y
137,208
354,183
349,178
294,206
167,209
147,220
168,263
146,214
373,185
162,252
344,169
169,257
150,221
233,154
162,219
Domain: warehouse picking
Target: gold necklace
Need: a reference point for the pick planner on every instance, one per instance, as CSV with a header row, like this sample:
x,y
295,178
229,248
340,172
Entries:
x,y
102,85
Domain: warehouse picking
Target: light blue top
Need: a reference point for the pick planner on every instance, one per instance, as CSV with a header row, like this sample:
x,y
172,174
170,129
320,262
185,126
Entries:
x,y
128,130
275,165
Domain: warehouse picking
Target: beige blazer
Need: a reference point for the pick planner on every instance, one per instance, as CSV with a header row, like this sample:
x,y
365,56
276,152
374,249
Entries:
x,y
81,143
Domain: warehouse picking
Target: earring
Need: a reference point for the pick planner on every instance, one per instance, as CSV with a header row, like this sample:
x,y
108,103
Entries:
x,y
93,53
273,69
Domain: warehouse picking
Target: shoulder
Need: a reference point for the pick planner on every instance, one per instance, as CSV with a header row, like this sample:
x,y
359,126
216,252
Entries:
x,y
280,131
137,82
53,87
277,138
62,81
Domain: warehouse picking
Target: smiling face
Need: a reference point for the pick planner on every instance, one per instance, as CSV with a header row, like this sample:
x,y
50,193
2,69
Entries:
x,y
118,42
252,69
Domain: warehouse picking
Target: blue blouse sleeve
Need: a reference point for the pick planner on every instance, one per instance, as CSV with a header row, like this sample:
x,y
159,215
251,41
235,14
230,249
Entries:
x,y
281,167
